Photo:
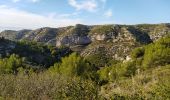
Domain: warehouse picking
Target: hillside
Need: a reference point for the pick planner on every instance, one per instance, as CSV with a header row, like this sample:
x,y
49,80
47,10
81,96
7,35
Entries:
x,y
115,40
102,62
34,54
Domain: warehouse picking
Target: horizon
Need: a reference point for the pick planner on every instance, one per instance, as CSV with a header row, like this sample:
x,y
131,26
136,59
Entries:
x,y
81,24
34,14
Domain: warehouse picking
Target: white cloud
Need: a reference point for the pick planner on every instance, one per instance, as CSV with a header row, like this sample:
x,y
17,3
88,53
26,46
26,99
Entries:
x,y
12,17
108,13
89,5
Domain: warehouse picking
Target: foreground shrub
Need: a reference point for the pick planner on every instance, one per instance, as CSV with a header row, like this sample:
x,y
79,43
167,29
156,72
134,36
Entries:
x,y
149,85
116,72
158,53
46,86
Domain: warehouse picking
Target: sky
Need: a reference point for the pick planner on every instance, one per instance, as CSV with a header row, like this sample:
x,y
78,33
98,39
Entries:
x,y
32,14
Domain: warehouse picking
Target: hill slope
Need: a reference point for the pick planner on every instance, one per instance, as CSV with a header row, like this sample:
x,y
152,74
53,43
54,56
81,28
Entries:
x,y
115,41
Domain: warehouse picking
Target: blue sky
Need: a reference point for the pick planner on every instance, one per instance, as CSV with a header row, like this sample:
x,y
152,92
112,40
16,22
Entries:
x,y
31,14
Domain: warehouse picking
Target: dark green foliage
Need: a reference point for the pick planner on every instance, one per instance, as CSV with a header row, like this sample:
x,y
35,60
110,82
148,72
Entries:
x,y
104,75
137,53
11,64
152,55
103,29
158,53
99,59
40,54
34,52
80,30
113,73
74,65
130,69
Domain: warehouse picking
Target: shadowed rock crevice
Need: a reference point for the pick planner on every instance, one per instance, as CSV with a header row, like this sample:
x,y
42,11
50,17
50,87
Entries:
x,y
141,37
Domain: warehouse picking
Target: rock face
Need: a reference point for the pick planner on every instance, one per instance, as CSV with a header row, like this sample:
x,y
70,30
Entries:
x,y
73,40
77,35
9,34
115,40
42,35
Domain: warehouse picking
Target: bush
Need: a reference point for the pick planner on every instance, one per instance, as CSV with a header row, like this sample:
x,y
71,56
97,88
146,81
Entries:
x,y
11,64
149,85
74,65
157,54
99,59
39,54
138,52
102,29
130,69
117,72
46,86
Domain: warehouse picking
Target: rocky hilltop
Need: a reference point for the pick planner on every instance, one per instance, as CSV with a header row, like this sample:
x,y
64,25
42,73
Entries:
x,y
115,41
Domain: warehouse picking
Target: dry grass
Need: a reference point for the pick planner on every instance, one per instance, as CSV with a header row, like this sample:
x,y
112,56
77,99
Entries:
x,y
150,85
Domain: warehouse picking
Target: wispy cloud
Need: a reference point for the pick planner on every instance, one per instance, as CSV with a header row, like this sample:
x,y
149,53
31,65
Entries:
x,y
108,13
12,17
89,5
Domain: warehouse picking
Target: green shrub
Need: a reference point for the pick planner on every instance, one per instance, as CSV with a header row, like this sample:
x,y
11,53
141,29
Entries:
x,y
138,52
103,29
113,73
46,86
104,75
158,53
74,65
130,69
11,64
99,59
148,85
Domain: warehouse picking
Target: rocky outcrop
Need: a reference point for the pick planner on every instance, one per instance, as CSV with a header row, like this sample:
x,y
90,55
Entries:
x,y
73,40
9,34
42,35
157,36
155,31
77,35
117,40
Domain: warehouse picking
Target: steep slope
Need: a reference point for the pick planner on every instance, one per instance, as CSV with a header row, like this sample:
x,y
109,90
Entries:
x,y
73,36
43,35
